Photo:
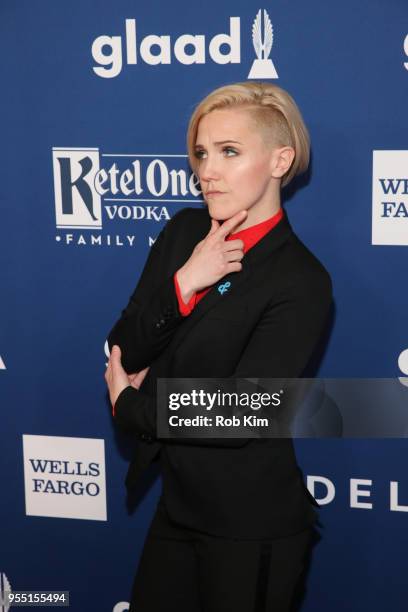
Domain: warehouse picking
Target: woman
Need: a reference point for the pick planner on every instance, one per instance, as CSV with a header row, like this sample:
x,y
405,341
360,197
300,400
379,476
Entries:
x,y
228,291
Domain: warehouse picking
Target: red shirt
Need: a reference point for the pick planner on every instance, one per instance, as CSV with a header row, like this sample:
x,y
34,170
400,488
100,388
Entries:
x,y
250,236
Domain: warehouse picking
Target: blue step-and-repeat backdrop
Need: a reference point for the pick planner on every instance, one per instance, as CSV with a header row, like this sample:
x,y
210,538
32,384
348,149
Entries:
x,y
95,102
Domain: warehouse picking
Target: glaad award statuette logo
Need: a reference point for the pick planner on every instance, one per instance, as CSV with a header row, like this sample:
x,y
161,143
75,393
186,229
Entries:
x,y
262,67
5,587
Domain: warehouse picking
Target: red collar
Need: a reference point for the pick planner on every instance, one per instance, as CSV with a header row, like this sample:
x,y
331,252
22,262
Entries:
x,y
251,235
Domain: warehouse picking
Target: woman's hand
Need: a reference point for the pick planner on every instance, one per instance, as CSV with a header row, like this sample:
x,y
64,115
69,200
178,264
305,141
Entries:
x,y
117,379
212,258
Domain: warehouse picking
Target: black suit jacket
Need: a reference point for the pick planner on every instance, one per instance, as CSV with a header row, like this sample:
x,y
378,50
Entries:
x,y
265,326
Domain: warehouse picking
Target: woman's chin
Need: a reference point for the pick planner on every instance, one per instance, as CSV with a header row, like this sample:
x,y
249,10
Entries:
x,y
218,213
221,216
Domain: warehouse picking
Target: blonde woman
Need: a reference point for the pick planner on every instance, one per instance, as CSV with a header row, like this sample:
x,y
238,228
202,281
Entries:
x,y
227,291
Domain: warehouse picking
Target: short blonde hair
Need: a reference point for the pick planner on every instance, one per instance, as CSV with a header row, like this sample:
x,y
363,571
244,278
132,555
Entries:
x,y
274,111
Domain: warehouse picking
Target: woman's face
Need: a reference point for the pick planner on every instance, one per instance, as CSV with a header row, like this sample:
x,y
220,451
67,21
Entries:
x,y
235,167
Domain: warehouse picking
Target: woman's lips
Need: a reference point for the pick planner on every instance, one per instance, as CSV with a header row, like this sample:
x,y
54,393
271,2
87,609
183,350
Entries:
x,y
212,194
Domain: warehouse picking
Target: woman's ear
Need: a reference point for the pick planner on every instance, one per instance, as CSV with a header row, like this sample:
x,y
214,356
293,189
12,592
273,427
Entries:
x,y
281,161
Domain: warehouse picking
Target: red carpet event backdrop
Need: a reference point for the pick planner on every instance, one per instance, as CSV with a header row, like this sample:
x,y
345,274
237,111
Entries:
x,y
96,97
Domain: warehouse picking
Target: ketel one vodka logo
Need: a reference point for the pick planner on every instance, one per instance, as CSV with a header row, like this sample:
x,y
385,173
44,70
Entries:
x,y
262,39
93,188
77,202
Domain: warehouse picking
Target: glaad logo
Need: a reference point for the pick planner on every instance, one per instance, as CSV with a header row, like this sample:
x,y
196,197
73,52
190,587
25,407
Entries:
x,y
390,198
5,587
262,68
142,189
110,64
64,477
406,50
188,49
2,364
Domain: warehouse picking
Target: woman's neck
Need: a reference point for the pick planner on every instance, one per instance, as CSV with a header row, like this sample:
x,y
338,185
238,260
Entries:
x,y
257,216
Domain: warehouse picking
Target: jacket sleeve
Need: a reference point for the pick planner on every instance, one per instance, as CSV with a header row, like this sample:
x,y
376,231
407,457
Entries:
x,y
152,314
185,309
280,347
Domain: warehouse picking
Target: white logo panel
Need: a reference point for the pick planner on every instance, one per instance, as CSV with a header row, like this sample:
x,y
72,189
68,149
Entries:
x,y
64,477
390,198
77,202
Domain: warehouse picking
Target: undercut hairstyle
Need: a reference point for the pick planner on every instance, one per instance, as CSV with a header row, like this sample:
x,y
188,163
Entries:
x,y
273,111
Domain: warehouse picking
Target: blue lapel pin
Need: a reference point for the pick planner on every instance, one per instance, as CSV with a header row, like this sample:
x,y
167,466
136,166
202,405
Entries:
x,y
223,288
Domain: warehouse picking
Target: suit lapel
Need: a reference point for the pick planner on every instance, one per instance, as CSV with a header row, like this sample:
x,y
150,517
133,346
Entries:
x,y
251,262
269,243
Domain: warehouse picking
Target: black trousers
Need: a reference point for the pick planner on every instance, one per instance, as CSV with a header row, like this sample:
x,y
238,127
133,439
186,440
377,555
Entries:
x,y
188,571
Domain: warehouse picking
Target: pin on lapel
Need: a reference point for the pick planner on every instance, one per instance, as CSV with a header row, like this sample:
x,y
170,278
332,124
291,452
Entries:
x,y
223,288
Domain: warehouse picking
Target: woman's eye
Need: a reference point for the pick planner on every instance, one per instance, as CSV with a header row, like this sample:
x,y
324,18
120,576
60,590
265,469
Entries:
x,y
200,154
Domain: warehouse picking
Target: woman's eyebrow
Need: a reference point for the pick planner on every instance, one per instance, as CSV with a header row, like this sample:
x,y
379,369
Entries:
x,y
220,142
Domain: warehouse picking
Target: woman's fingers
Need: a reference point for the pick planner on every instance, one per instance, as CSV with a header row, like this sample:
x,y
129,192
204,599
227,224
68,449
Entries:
x,y
136,378
229,224
231,245
114,369
108,371
234,266
235,255
115,356
214,226
139,378
213,257
116,377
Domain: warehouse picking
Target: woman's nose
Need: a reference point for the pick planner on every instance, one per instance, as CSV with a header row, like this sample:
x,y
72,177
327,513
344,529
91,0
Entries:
x,y
209,170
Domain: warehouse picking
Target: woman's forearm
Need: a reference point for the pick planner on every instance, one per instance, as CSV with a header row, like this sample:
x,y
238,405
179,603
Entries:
x,y
184,283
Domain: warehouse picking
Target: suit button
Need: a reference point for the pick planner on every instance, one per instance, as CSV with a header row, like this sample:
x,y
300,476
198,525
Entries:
x,y
162,321
158,325
146,437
